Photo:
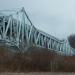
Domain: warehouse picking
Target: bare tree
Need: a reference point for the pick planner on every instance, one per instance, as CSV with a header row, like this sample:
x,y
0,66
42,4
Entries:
x,y
71,40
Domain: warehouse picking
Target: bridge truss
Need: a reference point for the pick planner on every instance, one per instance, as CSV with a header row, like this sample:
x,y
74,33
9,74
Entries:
x,y
17,30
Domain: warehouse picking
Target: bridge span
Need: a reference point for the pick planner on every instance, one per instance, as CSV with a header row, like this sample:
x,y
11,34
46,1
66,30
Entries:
x,y
16,29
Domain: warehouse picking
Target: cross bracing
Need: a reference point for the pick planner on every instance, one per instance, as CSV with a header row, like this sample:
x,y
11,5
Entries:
x,y
18,30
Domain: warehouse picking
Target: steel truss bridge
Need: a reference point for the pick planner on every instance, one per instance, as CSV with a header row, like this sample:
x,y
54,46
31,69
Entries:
x,y
16,29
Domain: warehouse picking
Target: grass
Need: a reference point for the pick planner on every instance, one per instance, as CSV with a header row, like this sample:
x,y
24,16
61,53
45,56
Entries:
x,y
35,61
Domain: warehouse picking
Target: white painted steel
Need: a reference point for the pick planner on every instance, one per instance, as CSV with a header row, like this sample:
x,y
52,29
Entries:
x,y
20,31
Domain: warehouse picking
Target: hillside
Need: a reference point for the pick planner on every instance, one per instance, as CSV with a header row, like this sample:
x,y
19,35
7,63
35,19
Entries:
x,y
34,59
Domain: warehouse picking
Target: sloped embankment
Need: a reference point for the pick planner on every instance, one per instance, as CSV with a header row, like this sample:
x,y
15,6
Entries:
x,y
34,59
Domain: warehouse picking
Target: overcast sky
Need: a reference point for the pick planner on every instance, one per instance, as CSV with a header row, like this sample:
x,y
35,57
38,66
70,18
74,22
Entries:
x,y
56,17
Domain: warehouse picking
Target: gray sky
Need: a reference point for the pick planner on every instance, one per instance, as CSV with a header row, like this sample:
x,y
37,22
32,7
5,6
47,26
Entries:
x,y
56,17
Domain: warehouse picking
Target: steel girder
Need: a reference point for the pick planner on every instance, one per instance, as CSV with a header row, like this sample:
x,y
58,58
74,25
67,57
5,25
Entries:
x,y
17,29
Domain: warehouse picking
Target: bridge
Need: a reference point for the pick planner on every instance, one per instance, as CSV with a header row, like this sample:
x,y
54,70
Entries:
x,y
16,29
